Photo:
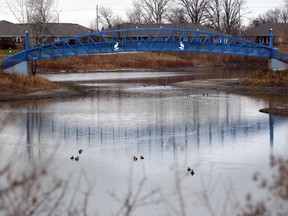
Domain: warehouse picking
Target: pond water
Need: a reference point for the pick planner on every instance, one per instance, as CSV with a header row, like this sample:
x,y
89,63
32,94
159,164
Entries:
x,y
223,137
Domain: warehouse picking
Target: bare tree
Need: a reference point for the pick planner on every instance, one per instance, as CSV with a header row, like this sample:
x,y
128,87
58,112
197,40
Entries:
x,y
34,16
118,20
177,15
226,15
214,14
152,11
284,16
43,11
273,15
277,15
232,16
286,4
135,15
106,17
196,9
20,11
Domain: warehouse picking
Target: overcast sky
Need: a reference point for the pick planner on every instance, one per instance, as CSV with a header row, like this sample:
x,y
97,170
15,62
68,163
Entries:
x,y
83,12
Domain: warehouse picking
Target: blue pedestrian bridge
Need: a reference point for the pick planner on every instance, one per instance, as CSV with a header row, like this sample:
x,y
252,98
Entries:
x,y
144,40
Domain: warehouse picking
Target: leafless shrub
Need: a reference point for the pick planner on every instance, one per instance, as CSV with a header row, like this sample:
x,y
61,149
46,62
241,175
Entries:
x,y
32,189
36,191
135,197
277,192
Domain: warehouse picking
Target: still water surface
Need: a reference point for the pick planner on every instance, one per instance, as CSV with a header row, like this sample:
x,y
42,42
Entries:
x,y
223,137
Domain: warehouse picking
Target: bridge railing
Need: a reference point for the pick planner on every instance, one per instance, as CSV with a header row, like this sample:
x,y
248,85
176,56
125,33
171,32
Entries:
x,y
137,40
281,56
143,40
14,59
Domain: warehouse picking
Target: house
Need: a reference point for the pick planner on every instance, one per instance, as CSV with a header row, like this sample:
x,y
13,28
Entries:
x,y
51,32
260,34
13,35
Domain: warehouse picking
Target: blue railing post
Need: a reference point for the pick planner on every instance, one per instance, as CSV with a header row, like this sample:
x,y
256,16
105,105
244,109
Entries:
x,y
271,44
26,44
271,38
137,35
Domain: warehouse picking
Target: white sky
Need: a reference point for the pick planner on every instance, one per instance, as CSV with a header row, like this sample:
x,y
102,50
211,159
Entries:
x,y
83,12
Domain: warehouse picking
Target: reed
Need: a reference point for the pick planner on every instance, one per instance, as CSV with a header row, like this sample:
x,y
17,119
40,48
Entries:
x,y
16,83
141,60
268,78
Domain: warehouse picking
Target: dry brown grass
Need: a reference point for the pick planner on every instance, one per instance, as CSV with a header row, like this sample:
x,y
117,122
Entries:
x,y
268,78
140,60
284,48
16,83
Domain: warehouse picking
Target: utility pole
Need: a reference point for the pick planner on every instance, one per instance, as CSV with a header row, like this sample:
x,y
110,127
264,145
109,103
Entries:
x,y
58,15
97,18
239,5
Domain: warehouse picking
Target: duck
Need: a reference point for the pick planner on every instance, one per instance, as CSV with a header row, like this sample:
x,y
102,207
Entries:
x,y
80,151
142,157
189,169
77,158
192,172
135,158
72,157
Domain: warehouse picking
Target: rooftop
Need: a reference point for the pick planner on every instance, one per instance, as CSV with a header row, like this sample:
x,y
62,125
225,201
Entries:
x,y
8,29
189,26
263,30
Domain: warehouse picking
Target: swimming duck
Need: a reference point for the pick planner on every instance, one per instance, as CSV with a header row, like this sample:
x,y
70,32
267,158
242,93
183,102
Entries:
x,y
142,157
80,151
72,157
77,158
135,158
189,169
192,172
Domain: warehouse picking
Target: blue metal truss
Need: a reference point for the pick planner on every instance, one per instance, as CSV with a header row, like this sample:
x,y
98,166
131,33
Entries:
x,y
146,40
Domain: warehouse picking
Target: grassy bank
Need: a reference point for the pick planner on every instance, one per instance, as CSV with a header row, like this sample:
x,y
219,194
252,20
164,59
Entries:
x,y
151,60
8,52
13,84
268,78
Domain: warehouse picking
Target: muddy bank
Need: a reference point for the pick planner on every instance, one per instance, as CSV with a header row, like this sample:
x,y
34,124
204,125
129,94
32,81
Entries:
x,y
279,110
230,86
61,92
236,86
72,89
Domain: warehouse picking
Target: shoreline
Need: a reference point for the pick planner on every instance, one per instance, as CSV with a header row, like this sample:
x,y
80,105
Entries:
x,y
62,92
231,85
235,86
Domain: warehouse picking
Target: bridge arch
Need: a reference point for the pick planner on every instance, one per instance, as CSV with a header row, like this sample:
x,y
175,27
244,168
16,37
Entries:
x,y
145,40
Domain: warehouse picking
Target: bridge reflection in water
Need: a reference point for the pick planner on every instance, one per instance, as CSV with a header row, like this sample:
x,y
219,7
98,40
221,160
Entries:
x,y
150,124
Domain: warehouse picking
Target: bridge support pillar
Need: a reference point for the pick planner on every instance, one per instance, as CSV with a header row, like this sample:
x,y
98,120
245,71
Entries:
x,y
21,68
275,64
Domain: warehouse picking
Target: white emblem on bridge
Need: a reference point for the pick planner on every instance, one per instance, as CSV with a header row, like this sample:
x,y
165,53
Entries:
x,y
182,46
116,46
